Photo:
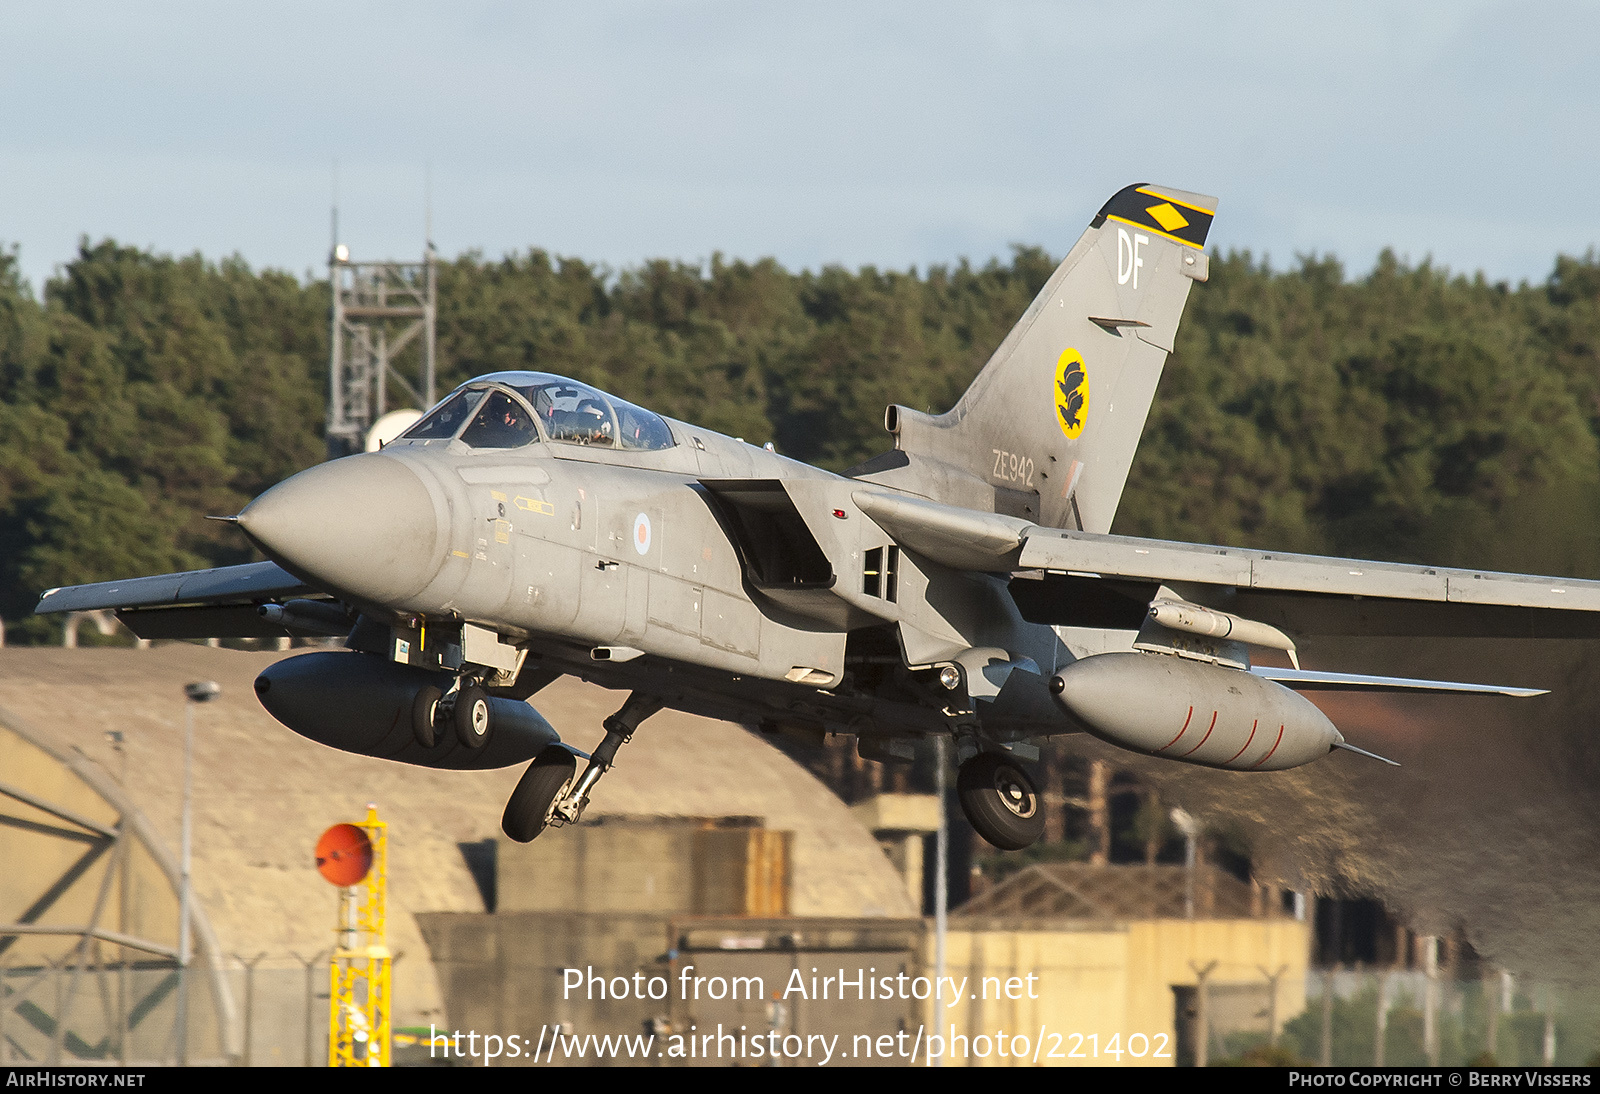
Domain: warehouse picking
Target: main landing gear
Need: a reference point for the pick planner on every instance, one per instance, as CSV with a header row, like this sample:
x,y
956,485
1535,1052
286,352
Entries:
x,y
549,794
1000,800
532,804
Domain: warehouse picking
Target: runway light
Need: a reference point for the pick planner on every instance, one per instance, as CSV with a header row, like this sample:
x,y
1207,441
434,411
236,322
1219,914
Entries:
x,y
202,691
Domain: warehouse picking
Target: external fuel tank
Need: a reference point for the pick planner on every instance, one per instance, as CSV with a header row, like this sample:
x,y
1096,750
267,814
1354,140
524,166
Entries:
x,y
1193,711
362,703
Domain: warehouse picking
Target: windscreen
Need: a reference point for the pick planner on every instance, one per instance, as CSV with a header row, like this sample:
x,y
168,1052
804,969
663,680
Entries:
x,y
446,418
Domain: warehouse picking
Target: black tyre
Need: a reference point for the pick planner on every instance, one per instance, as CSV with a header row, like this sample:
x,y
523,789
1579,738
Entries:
x,y
424,708
548,777
1000,800
471,716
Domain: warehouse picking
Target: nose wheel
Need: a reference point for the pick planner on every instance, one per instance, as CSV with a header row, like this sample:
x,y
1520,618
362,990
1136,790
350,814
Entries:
x,y
1000,801
471,716
466,713
424,716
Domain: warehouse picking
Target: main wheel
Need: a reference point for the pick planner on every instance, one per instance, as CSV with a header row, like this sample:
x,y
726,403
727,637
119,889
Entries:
x,y
424,708
548,777
1000,800
471,716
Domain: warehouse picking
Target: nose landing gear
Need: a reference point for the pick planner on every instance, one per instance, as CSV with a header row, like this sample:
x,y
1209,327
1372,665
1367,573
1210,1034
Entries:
x,y
424,712
471,716
465,711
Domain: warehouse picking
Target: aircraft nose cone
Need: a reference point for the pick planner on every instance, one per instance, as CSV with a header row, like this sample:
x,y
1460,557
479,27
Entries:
x,y
364,525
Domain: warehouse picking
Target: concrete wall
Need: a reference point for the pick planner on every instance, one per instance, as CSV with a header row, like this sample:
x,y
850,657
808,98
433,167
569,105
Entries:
x,y
1105,981
506,974
667,865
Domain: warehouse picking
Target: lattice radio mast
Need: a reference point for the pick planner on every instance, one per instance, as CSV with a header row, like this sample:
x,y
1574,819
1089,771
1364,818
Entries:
x,y
381,310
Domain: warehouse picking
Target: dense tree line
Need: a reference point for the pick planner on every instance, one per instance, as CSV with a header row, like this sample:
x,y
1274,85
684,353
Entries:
x,y
1406,413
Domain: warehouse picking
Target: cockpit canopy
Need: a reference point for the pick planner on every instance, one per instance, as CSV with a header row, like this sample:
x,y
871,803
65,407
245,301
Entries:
x,y
566,411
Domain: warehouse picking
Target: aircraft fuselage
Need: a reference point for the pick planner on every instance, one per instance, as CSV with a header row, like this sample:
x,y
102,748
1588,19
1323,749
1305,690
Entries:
x,y
592,558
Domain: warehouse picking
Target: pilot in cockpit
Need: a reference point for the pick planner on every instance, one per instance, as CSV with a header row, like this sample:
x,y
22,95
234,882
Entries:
x,y
502,423
594,424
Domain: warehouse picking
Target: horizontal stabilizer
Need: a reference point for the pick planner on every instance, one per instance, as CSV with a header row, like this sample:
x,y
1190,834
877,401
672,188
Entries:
x,y
253,581
1303,680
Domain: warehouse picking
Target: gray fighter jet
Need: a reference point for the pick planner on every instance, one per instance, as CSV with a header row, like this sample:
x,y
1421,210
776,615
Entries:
x,y
962,584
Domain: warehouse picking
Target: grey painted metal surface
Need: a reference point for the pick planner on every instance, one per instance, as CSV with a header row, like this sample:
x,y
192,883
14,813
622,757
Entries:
x,y
1126,556
1305,680
1196,713
531,526
226,584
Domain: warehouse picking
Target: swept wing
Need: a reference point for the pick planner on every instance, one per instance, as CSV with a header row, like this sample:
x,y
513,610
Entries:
x,y
1304,594
223,602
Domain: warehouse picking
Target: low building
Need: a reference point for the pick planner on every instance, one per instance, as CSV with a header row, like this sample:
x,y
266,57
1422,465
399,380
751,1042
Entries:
x,y
1135,965
105,728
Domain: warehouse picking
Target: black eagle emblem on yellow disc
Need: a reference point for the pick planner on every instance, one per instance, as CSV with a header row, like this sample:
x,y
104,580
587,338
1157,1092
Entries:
x,y
1072,393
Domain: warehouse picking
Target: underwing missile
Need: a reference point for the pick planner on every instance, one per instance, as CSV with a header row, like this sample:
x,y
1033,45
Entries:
x,y
1180,615
310,616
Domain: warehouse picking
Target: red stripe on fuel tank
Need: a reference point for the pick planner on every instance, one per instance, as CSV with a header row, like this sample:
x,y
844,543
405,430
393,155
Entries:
x,y
1252,737
1181,732
1207,737
1271,750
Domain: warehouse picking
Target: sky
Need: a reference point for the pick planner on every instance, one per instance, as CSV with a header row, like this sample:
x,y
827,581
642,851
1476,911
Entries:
x,y
889,134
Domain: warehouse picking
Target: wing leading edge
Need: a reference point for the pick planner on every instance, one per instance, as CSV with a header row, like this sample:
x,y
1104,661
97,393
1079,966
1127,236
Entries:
x,y
215,603
1307,594
223,585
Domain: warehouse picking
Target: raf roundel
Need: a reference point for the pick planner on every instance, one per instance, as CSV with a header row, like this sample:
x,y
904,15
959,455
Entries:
x,y
641,534
1072,393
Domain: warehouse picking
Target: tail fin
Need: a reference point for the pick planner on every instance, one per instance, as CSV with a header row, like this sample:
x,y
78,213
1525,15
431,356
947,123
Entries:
x,y
1049,427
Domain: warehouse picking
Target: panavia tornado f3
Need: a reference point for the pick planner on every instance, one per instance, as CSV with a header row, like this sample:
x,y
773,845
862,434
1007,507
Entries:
x,y
964,583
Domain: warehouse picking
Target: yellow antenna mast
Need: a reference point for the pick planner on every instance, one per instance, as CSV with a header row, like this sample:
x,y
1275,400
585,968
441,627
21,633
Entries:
x,y
355,857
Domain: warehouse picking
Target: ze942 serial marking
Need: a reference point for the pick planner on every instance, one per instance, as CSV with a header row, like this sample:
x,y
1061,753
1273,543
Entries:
x,y
1012,467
